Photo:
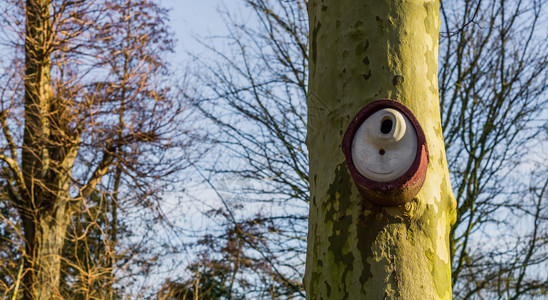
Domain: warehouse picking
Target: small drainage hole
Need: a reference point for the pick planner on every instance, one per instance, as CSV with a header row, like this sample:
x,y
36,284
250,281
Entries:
x,y
381,152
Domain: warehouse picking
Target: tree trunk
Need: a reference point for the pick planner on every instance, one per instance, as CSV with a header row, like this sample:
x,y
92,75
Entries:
x,y
46,161
45,234
361,51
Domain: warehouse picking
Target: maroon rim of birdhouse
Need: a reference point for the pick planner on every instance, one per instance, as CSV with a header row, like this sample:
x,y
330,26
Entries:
x,y
402,189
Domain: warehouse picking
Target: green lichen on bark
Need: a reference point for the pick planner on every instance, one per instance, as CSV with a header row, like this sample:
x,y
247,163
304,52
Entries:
x,y
363,51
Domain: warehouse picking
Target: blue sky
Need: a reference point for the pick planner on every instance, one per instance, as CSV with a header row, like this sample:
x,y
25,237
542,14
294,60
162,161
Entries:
x,y
190,18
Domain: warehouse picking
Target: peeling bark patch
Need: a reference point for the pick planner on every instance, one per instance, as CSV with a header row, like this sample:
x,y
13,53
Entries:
x,y
316,273
367,76
397,80
379,22
450,200
336,206
440,270
355,33
429,23
380,92
314,43
366,239
439,276
362,47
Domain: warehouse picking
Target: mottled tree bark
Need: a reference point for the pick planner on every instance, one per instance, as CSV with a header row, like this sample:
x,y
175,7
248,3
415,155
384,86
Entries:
x,y
361,51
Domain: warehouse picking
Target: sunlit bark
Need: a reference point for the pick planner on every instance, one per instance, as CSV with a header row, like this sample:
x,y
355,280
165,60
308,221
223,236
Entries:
x,y
67,106
45,158
361,51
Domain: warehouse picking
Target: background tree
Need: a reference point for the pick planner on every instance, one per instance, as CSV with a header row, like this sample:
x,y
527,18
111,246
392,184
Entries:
x,y
493,84
102,131
226,269
492,76
254,97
